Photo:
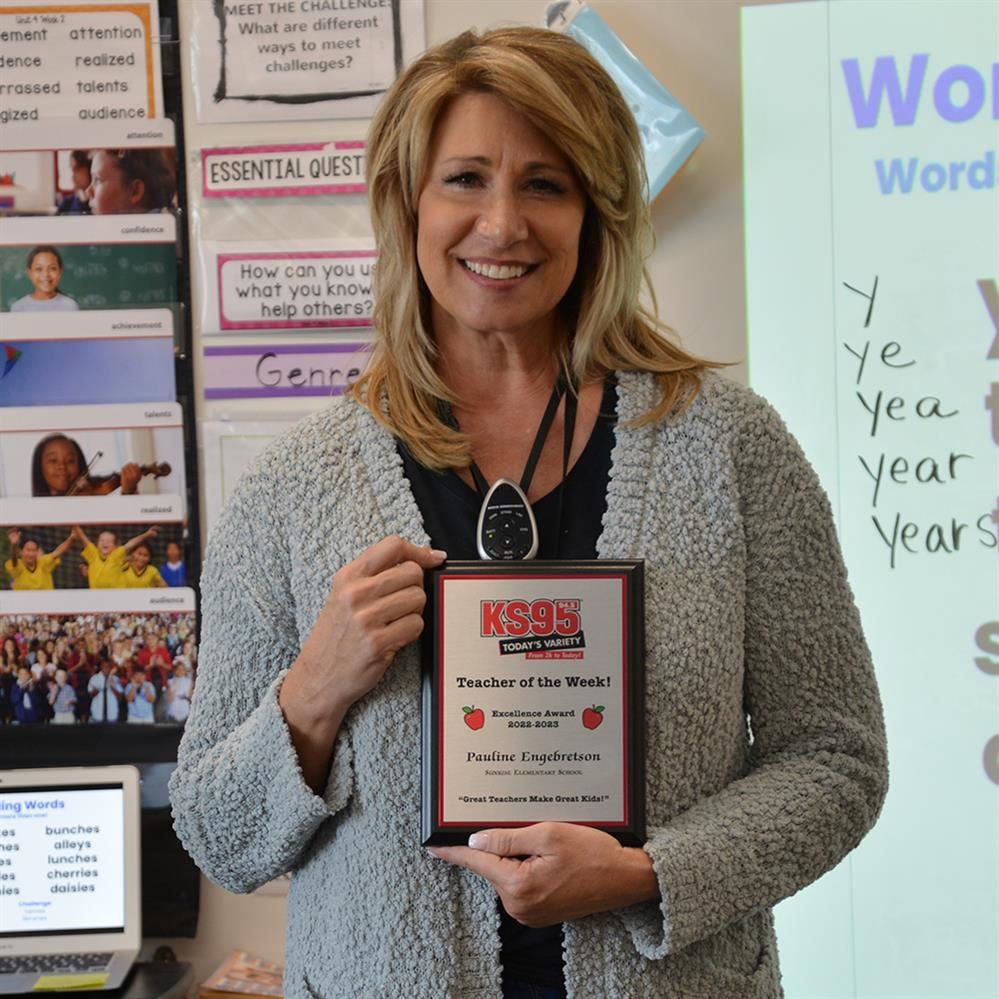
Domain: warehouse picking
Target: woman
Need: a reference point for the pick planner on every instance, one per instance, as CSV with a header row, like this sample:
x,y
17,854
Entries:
x,y
131,180
44,272
506,191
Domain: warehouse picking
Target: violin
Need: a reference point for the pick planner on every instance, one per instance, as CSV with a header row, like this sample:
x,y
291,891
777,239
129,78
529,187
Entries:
x,y
101,485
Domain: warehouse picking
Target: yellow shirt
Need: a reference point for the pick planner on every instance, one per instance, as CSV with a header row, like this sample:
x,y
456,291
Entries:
x,y
150,577
39,578
104,573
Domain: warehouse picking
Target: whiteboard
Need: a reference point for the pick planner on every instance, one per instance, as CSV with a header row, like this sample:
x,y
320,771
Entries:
x,y
871,137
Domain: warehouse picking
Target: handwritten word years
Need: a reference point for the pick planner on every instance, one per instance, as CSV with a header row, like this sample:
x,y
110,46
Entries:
x,y
886,410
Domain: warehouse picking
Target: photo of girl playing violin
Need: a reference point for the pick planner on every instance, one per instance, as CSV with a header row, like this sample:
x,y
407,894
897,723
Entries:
x,y
104,451
59,468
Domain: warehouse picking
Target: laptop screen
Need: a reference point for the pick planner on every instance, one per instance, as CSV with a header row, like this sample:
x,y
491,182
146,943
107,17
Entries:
x,y
62,860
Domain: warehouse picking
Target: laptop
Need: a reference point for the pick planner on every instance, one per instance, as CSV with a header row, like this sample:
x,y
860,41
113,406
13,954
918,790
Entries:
x,y
69,877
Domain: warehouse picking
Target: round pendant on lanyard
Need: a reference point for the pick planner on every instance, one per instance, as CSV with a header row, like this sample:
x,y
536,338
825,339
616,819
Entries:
x,y
507,529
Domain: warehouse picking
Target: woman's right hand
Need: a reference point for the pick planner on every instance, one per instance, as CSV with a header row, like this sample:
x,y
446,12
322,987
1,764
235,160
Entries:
x,y
374,608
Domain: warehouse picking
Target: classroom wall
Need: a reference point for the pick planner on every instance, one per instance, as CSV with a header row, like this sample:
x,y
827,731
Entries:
x,y
697,270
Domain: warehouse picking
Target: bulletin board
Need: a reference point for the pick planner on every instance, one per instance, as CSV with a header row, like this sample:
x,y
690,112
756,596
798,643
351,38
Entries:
x,y
91,187
281,243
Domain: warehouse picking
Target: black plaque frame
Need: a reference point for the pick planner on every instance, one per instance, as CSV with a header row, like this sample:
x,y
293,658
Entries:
x,y
630,832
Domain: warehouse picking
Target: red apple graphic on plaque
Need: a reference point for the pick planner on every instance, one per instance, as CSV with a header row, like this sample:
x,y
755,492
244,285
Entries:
x,y
593,717
475,717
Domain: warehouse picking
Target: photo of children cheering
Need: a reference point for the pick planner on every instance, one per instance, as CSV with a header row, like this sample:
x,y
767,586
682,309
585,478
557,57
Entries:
x,y
113,556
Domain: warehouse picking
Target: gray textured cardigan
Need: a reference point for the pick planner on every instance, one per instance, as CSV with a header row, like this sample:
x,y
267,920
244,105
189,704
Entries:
x,y
765,741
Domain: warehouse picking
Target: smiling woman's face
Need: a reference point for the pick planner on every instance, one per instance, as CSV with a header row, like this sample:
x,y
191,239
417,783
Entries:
x,y
44,273
499,219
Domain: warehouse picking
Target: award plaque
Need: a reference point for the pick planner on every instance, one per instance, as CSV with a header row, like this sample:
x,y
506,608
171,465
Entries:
x,y
533,697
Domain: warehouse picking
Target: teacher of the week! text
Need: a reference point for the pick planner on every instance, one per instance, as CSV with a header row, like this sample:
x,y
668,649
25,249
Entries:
x,y
506,189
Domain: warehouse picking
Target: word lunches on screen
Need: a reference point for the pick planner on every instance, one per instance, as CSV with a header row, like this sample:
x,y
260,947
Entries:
x,y
60,859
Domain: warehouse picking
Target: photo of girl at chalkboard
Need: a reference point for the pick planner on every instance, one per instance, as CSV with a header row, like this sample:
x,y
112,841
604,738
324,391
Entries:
x,y
132,180
115,273
44,269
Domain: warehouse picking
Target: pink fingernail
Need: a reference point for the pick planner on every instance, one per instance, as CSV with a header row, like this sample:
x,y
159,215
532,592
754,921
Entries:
x,y
479,841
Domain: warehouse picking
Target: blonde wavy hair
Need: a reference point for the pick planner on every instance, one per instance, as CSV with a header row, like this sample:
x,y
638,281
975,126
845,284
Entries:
x,y
565,93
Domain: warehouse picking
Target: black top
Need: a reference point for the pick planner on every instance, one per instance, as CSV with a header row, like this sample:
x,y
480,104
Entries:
x,y
450,511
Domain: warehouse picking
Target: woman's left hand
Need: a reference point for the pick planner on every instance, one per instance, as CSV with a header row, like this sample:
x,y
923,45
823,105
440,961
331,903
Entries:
x,y
555,871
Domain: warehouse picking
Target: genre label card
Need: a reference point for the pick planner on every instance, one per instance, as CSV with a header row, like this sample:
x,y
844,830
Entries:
x,y
274,370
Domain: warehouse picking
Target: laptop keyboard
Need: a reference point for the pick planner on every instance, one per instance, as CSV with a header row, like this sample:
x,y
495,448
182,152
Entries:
x,y
54,963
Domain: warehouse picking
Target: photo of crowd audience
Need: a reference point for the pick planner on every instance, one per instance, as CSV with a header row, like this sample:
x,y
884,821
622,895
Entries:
x,y
68,669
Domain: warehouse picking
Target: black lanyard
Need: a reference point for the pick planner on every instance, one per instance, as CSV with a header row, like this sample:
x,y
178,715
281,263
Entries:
x,y
539,440
540,437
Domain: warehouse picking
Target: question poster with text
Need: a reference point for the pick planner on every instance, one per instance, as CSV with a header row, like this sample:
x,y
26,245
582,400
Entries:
x,y
280,60
286,285
872,221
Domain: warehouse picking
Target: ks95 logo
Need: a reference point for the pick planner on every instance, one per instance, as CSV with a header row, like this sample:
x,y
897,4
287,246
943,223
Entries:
x,y
532,625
